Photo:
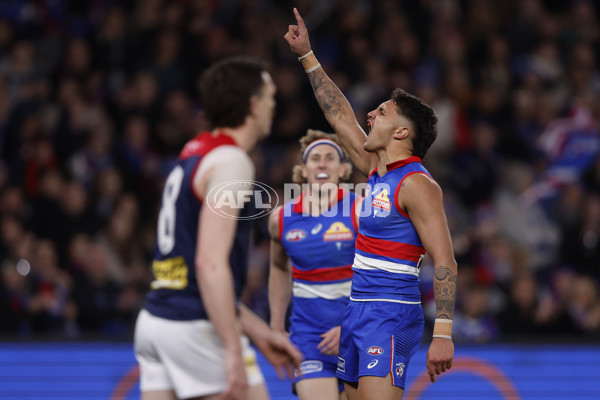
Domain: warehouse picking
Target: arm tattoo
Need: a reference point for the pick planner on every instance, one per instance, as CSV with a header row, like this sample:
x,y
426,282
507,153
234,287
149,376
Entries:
x,y
328,95
444,288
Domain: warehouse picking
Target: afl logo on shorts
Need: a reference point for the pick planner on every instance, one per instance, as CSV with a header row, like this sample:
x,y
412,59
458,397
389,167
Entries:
x,y
295,235
374,350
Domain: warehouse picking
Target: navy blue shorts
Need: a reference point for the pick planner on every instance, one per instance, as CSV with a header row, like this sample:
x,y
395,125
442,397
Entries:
x,y
379,338
315,364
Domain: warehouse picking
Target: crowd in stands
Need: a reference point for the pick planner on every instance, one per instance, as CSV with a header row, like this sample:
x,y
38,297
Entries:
x,y
97,98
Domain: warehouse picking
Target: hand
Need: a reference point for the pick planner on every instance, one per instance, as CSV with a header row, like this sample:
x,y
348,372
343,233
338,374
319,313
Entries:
x,y
281,353
235,370
330,344
297,36
439,357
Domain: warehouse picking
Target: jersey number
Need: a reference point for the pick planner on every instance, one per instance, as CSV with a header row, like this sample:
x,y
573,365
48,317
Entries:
x,y
167,214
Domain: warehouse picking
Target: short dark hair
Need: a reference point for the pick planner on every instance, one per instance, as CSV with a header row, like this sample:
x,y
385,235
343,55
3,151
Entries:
x,y
226,88
422,117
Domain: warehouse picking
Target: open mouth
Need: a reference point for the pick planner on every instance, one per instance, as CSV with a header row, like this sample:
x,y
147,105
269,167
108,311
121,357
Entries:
x,y
369,125
322,175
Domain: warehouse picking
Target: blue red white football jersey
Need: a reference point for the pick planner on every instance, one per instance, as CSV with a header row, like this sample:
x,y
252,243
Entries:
x,y
175,294
321,251
388,248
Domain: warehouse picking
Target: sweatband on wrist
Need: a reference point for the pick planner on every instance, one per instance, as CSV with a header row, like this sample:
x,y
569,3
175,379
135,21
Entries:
x,y
442,328
309,62
306,55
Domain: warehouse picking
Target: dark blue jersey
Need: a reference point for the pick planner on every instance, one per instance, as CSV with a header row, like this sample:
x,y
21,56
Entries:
x,y
175,294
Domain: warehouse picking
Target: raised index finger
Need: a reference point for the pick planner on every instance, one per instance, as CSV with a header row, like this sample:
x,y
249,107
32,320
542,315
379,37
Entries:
x,y
299,18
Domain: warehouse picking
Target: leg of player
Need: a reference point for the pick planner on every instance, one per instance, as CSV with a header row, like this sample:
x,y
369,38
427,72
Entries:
x,y
376,388
257,392
317,389
254,392
350,391
159,395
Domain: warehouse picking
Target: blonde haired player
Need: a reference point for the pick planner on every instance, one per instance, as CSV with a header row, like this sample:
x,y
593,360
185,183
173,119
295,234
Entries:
x,y
312,248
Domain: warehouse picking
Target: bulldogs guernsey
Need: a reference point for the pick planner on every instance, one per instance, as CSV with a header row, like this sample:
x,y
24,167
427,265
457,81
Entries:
x,y
321,250
175,293
388,248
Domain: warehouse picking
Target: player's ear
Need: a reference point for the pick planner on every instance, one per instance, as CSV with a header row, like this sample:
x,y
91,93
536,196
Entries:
x,y
253,105
343,169
401,132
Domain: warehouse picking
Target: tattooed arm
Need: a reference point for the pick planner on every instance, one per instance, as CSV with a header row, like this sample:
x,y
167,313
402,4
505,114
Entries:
x,y
332,101
421,198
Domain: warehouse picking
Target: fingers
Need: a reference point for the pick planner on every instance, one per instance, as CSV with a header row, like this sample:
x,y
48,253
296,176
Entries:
x,y
279,371
290,370
432,370
292,33
299,18
437,368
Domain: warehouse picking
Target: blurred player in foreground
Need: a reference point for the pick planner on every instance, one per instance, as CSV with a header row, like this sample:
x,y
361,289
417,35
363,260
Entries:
x,y
402,217
316,231
190,336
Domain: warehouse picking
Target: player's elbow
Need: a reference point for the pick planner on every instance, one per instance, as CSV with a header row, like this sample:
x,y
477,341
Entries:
x,y
205,263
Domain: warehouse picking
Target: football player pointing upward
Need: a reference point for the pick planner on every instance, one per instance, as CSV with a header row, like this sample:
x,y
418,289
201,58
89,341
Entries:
x,y
402,217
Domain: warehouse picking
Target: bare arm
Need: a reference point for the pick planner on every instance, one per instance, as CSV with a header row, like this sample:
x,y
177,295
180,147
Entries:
x,y
422,199
216,234
215,239
332,101
274,345
280,276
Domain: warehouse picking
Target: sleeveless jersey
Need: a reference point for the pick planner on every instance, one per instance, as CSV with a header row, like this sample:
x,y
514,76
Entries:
x,y
175,294
321,250
388,248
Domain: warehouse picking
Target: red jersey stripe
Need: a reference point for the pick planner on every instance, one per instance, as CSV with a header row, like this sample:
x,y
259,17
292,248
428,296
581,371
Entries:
x,y
323,274
388,248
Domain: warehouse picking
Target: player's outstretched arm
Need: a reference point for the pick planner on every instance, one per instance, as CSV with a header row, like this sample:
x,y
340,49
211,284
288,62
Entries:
x,y
421,198
332,101
280,276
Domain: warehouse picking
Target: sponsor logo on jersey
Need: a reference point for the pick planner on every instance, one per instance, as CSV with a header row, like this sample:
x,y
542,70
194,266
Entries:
x,y
295,235
400,369
337,231
382,201
316,229
341,365
372,364
170,273
375,350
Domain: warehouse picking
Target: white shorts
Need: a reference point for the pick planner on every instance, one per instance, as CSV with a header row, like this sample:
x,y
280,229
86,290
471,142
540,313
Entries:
x,y
185,356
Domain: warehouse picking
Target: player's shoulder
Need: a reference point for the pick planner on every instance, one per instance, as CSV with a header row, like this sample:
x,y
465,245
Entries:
x,y
274,222
226,153
232,161
419,186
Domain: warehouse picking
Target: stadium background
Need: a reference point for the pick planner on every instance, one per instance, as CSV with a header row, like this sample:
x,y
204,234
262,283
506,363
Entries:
x,y
97,97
